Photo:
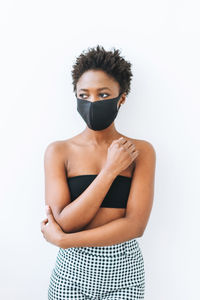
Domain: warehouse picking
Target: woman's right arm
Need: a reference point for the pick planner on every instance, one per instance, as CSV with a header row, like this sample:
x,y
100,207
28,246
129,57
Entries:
x,y
72,216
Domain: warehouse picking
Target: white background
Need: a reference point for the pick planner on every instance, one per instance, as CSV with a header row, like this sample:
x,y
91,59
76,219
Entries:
x,y
39,43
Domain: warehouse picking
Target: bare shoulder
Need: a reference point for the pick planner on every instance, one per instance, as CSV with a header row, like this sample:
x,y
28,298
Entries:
x,y
60,145
54,148
145,148
60,150
57,148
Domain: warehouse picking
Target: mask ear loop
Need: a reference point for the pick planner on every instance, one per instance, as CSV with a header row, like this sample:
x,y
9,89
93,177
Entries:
x,y
118,101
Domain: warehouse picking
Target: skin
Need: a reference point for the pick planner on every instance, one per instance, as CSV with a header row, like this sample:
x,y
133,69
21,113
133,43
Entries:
x,y
88,151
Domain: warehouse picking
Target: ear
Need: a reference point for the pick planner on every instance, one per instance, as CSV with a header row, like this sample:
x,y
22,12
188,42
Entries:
x,y
122,99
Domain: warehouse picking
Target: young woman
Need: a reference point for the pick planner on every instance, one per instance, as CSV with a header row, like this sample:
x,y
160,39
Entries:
x,y
99,186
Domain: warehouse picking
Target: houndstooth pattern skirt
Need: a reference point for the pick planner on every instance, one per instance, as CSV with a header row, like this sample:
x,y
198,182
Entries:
x,y
104,272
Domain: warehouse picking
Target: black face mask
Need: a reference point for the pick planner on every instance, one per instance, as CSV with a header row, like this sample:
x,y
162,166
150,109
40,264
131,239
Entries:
x,y
98,114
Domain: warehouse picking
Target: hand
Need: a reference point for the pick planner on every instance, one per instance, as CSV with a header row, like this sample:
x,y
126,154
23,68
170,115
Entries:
x,y
121,153
51,230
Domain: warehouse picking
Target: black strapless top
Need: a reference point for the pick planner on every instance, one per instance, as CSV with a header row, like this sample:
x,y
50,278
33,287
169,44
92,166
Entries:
x,y
116,197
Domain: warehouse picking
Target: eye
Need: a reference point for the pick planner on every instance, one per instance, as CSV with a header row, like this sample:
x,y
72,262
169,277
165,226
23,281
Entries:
x,y
104,94
81,95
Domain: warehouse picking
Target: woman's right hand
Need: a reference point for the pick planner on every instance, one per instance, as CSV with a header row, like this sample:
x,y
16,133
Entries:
x,y
121,153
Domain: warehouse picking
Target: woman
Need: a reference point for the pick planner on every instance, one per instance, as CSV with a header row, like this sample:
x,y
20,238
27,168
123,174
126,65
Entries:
x,y
99,185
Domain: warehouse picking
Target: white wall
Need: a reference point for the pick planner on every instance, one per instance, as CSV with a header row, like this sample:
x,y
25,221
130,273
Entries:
x,y
39,43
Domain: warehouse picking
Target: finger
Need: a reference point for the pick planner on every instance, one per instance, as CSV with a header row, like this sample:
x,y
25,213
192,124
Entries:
x,y
122,140
49,214
127,144
43,224
42,228
131,148
116,141
134,154
44,221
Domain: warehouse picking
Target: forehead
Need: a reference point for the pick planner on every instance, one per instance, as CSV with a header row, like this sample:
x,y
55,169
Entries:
x,y
96,79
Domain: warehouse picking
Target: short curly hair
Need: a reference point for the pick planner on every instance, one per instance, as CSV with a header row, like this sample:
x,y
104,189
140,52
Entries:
x,y
100,59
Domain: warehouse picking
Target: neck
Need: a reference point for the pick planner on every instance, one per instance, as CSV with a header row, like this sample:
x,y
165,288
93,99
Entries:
x,y
99,137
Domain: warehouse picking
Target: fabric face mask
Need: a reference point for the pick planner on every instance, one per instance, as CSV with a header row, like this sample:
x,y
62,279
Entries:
x,y
99,114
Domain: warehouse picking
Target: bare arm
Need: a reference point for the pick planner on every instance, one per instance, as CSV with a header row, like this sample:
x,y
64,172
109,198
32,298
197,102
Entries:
x,y
138,209
72,216
114,232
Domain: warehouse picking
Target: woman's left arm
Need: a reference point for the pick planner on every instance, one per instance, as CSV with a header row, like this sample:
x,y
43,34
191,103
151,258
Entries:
x,y
116,231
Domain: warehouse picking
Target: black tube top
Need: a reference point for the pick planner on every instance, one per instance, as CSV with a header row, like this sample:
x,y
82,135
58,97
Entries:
x,y
116,197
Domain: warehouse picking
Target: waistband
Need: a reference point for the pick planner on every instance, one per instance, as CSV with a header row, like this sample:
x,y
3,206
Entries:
x,y
127,247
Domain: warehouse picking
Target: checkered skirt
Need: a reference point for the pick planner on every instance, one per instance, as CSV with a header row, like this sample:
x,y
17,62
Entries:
x,y
97,272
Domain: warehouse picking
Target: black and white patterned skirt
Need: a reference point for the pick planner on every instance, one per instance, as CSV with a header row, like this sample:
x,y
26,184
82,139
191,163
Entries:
x,y
103,272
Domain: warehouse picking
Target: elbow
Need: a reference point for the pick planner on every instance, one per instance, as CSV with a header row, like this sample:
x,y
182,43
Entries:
x,y
66,224
137,229
140,233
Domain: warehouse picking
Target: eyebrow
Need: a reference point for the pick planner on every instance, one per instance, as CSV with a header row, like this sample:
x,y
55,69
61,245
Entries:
x,y
103,88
